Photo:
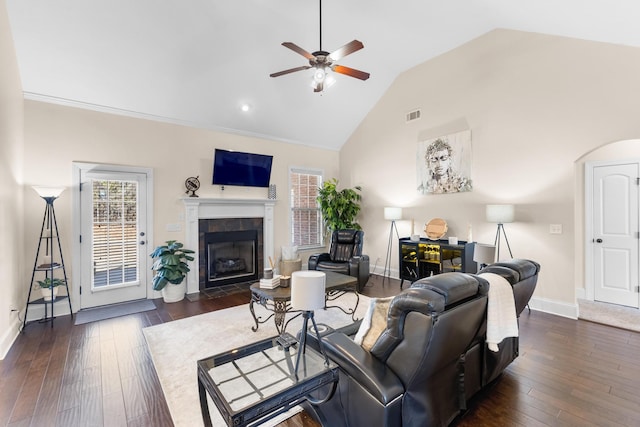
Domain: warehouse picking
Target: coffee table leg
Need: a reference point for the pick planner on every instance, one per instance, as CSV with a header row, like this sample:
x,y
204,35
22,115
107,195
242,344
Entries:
x,y
204,405
253,313
280,310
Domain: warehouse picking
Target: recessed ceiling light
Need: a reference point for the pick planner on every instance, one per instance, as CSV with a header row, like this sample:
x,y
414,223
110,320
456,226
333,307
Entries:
x,y
245,107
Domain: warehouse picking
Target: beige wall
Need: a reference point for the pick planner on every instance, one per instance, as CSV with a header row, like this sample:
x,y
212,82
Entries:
x,y
56,136
535,104
11,248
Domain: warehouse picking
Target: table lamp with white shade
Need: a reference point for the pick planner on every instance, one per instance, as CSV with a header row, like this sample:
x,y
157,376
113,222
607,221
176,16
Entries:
x,y
500,214
484,255
307,295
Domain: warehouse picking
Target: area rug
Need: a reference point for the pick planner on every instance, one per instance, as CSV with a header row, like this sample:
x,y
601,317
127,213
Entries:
x,y
176,346
609,314
114,310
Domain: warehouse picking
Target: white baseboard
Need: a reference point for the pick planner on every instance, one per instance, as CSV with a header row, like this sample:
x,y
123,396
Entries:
x,y
379,271
60,308
10,336
554,307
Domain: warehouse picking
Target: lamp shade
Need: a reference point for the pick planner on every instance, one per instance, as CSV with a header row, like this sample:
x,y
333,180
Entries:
x,y
48,192
392,213
500,214
308,290
484,254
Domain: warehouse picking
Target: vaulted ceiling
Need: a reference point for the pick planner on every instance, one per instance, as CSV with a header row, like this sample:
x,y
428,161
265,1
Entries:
x,y
196,62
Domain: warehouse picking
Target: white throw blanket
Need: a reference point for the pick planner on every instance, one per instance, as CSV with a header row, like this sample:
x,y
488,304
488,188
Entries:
x,y
501,311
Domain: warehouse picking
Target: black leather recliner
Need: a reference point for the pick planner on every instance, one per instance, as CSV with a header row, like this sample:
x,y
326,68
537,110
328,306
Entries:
x,y
344,256
431,358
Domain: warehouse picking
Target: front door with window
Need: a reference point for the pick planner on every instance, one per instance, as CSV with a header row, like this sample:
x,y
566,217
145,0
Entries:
x,y
113,238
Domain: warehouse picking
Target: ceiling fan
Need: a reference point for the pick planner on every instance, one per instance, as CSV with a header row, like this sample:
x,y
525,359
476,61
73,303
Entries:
x,y
324,61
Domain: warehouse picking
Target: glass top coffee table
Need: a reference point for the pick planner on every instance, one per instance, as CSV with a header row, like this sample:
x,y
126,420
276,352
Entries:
x,y
252,384
278,300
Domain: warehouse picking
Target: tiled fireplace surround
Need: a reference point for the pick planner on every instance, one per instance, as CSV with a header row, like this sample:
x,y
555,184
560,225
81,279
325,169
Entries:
x,y
197,209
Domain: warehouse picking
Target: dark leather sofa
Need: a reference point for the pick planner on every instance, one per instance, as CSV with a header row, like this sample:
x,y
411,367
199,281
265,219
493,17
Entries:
x,y
345,256
431,358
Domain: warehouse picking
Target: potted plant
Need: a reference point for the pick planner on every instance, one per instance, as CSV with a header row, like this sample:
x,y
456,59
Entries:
x,y
339,208
170,266
49,288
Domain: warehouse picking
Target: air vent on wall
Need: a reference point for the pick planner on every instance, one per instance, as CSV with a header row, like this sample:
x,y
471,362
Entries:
x,y
413,115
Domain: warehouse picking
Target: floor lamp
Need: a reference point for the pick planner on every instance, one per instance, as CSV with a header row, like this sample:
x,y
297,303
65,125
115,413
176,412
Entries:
x,y
47,262
307,295
390,214
500,214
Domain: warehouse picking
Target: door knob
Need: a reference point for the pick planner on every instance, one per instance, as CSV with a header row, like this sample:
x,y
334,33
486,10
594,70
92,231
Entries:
x,y
142,242
598,240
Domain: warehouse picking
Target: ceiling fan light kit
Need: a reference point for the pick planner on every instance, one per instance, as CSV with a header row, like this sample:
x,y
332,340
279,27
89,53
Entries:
x,y
323,62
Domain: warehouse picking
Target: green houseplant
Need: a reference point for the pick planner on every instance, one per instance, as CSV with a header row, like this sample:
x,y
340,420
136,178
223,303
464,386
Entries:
x,y
339,207
170,266
49,287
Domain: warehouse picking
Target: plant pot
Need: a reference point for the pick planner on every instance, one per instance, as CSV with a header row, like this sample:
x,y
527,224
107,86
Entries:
x,y
174,293
46,293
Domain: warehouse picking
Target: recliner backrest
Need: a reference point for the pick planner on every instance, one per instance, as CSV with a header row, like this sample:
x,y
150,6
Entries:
x,y
430,328
346,244
430,296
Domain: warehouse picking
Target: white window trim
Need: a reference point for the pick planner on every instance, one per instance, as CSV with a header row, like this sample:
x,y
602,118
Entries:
x,y
307,170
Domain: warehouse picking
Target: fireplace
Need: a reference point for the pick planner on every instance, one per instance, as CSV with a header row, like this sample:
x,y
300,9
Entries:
x,y
225,214
230,257
229,251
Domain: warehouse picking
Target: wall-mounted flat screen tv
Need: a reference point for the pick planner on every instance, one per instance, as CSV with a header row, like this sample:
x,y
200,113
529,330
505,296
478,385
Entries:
x,y
242,169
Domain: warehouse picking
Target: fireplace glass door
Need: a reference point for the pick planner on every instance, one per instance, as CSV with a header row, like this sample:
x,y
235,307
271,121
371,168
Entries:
x,y
231,257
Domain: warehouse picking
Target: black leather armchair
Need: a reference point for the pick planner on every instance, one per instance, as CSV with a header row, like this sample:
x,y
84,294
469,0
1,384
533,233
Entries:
x,y
344,256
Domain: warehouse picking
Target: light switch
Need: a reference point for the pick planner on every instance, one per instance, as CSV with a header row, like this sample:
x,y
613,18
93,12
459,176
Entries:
x,y
555,228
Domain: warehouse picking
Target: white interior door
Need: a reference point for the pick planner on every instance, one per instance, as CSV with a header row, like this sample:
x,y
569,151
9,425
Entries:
x,y
615,233
112,237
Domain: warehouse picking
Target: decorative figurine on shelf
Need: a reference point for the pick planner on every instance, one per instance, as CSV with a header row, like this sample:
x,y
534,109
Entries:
x,y
192,184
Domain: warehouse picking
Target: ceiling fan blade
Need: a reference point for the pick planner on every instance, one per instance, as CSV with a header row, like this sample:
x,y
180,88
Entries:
x,y
294,47
290,70
350,72
347,49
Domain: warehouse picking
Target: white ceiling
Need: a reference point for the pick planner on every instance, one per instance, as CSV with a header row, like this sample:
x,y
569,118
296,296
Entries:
x,y
195,62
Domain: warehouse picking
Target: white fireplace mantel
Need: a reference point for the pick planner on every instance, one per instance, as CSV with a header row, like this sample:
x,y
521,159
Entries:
x,y
197,208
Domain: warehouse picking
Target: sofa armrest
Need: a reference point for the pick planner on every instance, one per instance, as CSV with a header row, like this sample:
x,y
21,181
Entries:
x,y
363,368
316,258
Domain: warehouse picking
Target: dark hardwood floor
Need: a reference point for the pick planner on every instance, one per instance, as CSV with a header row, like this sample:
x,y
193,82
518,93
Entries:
x,y
100,374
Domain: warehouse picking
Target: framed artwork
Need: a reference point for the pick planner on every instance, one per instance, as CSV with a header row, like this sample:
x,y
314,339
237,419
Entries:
x,y
444,164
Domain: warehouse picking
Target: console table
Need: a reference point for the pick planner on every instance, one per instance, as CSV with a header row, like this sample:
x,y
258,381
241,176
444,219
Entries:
x,y
278,300
254,383
427,257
